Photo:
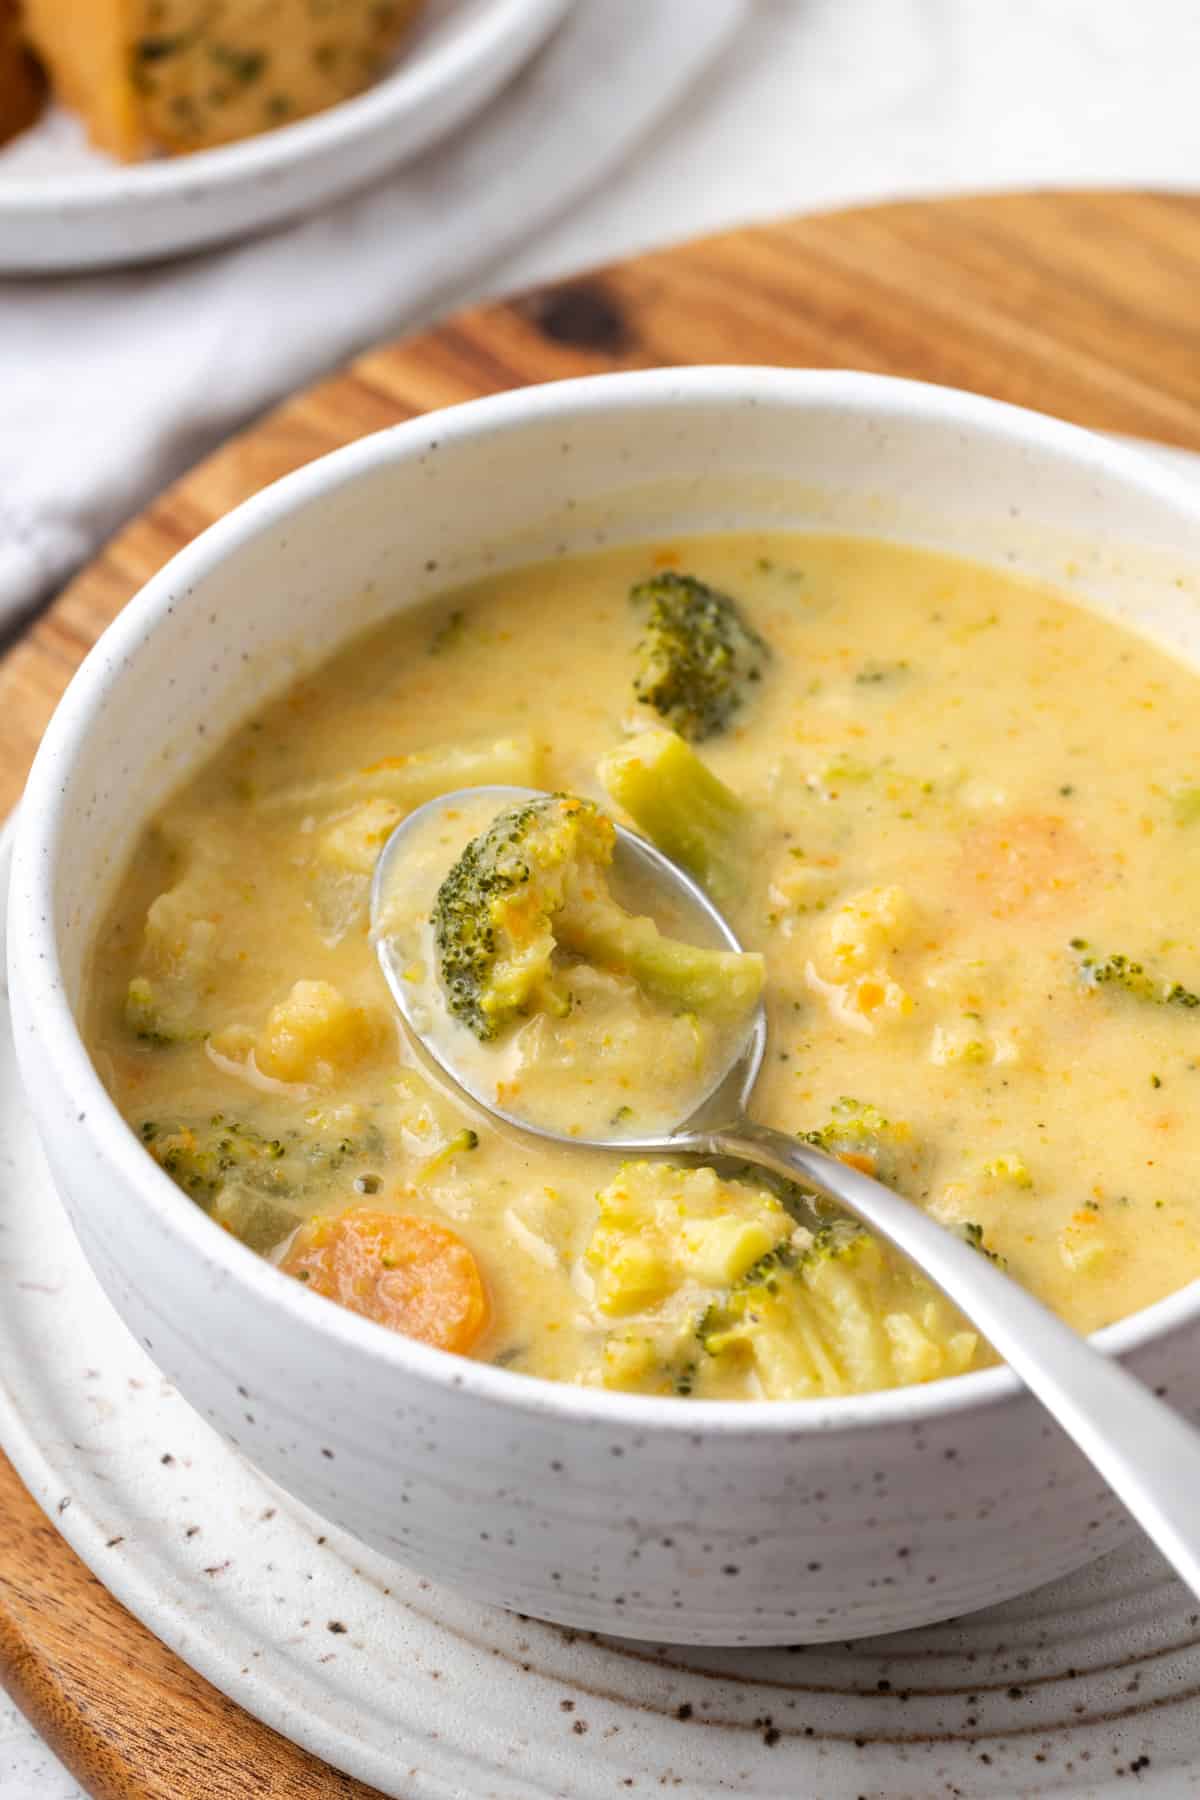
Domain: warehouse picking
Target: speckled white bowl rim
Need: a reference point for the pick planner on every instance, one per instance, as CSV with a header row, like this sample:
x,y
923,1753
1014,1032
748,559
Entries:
x,y
40,841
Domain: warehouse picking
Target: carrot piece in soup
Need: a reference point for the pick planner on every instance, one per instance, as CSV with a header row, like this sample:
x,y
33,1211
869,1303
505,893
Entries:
x,y
1024,863
410,1274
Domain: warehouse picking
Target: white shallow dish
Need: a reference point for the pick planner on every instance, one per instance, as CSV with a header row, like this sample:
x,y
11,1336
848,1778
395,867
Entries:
x,y
64,205
689,1522
1090,1687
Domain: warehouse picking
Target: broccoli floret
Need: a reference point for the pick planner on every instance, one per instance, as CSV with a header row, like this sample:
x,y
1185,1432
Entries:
x,y
843,1315
258,1186
201,1158
862,1136
682,807
413,779
151,1017
697,655
1134,977
856,1134
534,883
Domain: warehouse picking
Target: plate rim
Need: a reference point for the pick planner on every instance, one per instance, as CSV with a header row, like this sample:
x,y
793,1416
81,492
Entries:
x,y
482,54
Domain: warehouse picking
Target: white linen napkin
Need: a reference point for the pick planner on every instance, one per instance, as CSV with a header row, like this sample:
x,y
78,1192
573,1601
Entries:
x,y
113,384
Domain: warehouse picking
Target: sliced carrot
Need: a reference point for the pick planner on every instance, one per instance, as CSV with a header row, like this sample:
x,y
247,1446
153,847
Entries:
x,y
410,1274
1025,863
857,1159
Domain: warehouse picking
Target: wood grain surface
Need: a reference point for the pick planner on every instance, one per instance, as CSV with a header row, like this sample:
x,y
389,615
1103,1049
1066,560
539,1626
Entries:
x,y
1082,304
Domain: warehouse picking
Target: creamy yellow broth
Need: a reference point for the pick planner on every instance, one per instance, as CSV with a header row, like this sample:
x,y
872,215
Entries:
x,y
967,797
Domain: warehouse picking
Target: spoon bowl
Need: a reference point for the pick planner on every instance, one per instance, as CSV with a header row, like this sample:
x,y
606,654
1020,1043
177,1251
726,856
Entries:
x,y
729,1095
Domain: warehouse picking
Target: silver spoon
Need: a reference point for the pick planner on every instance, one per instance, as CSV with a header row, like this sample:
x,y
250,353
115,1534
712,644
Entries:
x,y
1149,1456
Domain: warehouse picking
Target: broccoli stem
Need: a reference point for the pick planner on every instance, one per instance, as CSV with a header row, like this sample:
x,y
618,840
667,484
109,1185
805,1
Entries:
x,y
413,779
691,976
682,807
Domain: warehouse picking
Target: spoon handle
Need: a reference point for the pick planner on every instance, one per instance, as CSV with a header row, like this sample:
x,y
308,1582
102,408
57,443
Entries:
x,y
1147,1453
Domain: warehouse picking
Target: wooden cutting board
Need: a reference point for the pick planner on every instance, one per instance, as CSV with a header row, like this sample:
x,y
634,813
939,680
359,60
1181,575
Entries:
x,y
1081,304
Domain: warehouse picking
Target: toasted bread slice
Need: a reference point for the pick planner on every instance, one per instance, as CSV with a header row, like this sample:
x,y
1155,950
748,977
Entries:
x,y
183,75
22,85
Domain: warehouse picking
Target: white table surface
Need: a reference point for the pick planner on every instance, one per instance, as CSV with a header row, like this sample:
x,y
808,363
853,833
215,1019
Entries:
x,y
829,102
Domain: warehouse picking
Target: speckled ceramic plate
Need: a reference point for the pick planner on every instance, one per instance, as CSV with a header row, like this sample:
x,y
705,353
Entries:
x,y
65,206
1087,1688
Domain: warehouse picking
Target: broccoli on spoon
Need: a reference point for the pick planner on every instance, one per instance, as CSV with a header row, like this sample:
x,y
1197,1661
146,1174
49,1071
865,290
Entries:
x,y
535,884
514,929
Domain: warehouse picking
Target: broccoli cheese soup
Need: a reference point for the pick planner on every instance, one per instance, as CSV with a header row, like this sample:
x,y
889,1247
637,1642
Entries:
x,y
953,818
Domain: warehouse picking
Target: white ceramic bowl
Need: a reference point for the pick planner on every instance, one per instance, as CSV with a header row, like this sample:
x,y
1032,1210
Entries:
x,y
684,1521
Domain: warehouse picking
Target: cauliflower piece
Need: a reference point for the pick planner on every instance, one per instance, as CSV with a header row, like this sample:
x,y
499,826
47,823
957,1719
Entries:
x,y
181,947
799,886
175,995
954,1204
865,1001
869,927
718,1251
630,1361
311,1034
661,1228
856,983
